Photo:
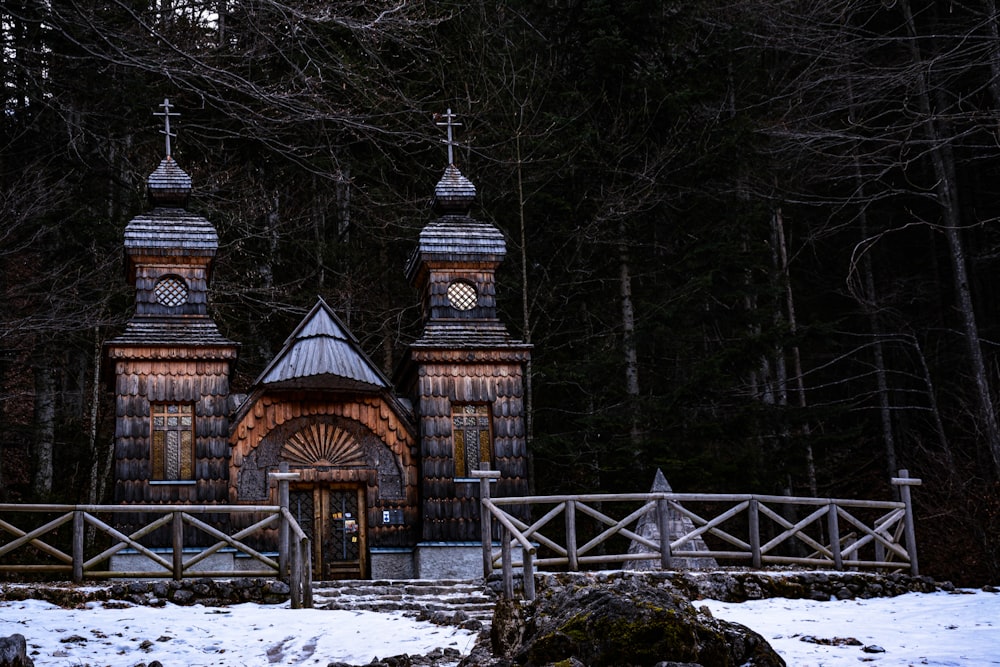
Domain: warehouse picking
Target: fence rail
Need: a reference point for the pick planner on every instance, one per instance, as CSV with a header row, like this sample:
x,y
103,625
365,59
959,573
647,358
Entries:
x,y
757,530
94,536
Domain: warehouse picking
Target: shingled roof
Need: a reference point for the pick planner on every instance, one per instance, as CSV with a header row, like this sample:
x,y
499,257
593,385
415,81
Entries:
x,y
321,352
169,183
171,231
158,332
454,192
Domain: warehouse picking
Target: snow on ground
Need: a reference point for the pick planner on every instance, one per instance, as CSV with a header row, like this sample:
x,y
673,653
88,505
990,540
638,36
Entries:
x,y
961,628
238,635
916,629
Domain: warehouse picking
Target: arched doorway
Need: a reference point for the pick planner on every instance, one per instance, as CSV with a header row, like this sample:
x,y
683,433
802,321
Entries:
x,y
331,513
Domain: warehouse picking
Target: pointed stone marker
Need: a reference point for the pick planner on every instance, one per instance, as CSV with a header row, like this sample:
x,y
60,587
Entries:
x,y
678,525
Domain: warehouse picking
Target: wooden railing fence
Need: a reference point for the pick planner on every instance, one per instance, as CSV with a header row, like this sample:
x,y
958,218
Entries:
x,y
757,530
93,539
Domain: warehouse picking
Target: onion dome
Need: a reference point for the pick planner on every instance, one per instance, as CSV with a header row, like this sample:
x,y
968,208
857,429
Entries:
x,y
454,193
169,186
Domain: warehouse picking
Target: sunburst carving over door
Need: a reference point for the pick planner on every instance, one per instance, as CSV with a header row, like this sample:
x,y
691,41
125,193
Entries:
x,y
323,445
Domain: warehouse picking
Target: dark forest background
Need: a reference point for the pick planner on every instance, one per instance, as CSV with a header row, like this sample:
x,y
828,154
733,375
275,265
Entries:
x,y
754,242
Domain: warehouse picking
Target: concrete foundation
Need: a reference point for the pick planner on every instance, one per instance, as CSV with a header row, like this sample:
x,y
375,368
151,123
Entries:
x,y
392,564
448,560
134,562
429,560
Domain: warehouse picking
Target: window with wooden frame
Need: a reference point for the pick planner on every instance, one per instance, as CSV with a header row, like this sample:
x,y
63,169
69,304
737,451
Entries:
x,y
473,437
172,450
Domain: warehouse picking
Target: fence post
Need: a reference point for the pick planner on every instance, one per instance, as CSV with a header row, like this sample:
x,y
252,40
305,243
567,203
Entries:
x,y
570,510
283,477
77,547
833,527
178,542
879,556
851,542
753,515
484,474
529,574
663,525
506,562
307,588
904,481
295,576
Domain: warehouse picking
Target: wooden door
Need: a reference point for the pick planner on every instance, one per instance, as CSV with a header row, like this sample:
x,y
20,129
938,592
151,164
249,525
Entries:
x,y
333,516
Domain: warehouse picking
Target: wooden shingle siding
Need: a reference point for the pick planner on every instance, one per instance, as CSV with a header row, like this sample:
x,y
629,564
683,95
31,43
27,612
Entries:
x,y
487,378
163,376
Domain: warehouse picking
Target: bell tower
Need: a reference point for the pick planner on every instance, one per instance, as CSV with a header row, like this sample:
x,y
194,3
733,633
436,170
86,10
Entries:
x,y
466,374
171,365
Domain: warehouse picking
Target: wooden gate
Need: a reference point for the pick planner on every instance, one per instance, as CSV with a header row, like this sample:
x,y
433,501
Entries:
x,y
333,517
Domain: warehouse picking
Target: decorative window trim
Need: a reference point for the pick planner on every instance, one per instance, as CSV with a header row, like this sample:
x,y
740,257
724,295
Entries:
x,y
171,442
473,420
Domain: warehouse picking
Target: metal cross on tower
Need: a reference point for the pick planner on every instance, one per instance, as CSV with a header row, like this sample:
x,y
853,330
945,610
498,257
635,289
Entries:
x,y
449,122
166,122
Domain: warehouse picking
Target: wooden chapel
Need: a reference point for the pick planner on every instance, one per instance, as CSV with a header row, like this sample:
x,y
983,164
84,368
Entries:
x,y
385,487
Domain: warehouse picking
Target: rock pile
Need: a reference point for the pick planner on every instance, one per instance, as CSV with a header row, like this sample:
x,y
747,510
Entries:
x,y
740,586
208,592
733,585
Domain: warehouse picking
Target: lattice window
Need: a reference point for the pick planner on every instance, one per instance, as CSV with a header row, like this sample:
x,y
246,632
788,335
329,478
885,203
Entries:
x,y
172,442
171,291
472,437
462,295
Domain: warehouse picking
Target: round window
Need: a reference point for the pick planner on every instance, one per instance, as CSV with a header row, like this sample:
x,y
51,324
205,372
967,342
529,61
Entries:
x,y
462,295
171,292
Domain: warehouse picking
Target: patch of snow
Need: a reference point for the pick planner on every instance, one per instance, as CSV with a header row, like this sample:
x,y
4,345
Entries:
x,y
122,635
944,629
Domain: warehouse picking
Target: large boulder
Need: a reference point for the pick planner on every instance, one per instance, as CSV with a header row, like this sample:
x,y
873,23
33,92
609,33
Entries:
x,y
14,652
616,620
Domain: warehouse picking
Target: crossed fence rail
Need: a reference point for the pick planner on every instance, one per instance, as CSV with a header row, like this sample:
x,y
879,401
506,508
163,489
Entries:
x,y
739,528
93,534
756,530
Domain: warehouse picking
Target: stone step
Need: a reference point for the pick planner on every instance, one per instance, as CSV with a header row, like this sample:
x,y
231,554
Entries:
x,y
467,603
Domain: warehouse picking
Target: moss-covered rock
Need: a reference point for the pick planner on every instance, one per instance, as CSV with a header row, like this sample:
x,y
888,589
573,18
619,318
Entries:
x,y
628,619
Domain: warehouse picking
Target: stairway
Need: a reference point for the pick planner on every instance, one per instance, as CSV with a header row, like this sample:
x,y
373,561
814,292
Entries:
x,y
467,603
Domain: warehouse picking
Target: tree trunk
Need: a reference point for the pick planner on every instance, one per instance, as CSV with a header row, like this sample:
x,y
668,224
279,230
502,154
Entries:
x,y
319,232
778,223
95,400
935,412
943,162
3,421
529,420
869,303
629,345
45,429
343,191
994,31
